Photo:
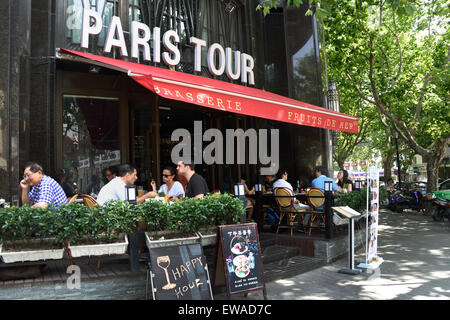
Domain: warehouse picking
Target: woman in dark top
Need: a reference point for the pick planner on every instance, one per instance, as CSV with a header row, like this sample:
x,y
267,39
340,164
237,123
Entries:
x,y
344,183
61,177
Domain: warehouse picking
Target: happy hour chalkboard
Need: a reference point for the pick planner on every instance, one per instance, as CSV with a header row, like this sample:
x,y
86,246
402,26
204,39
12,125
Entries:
x,y
180,273
239,258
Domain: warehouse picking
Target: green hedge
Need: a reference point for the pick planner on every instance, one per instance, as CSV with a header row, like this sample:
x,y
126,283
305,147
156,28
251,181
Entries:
x,y
189,215
356,200
75,221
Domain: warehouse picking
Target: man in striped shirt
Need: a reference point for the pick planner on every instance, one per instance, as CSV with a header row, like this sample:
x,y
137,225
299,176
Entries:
x,y
44,190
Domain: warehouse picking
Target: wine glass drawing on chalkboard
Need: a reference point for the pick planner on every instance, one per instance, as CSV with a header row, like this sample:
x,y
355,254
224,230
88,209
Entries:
x,y
164,262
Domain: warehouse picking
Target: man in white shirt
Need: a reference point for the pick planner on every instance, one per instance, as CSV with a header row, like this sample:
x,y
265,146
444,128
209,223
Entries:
x,y
115,189
281,182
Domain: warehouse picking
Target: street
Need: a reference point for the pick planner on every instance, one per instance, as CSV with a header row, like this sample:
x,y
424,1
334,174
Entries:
x,y
416,253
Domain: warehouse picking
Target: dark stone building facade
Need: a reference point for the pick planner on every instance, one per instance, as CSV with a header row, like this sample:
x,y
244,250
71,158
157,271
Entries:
x,y
36,87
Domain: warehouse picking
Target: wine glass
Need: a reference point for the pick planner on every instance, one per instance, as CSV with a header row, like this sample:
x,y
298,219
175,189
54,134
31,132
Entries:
x,y
163,262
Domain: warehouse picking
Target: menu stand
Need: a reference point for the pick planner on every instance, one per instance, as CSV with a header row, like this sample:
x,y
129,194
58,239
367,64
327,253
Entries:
x,y
350,214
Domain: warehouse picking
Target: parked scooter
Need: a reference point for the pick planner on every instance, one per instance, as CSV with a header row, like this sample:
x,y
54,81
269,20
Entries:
x,y
440,207
406,199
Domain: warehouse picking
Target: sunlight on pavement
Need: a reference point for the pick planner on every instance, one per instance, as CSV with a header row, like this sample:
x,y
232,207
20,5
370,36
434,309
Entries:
x,y
386,289
436,252
286,283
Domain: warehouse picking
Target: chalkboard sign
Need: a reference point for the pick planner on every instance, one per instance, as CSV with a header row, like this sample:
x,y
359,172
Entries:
x,y
239,259
180,273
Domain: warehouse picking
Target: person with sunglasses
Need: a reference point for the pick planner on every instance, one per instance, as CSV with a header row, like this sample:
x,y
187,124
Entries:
x,y
171,187
44,191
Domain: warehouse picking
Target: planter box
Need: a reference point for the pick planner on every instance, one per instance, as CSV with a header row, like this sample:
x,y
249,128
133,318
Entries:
x,y
208,238
31,255
161,241
99,249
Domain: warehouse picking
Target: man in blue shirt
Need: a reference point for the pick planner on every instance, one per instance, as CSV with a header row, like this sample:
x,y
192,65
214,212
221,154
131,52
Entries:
x,y
44,190
321,177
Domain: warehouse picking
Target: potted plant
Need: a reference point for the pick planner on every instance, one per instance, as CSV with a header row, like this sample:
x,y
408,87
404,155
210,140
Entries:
x,y
100,230
219,209
169,225
29,234
190,220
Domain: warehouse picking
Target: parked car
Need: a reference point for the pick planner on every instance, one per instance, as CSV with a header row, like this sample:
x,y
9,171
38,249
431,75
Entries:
x,y
445,185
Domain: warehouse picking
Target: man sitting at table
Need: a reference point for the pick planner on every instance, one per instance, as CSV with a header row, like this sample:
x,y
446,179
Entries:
x,y
281,182
197,186
321,177
115,189
268,183
44,190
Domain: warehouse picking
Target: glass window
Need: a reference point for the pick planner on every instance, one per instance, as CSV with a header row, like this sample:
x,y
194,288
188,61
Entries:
x,y
74,20
90,140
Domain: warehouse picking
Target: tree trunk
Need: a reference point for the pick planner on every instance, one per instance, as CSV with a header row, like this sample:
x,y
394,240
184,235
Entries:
x,y
433,161
340,164
387,166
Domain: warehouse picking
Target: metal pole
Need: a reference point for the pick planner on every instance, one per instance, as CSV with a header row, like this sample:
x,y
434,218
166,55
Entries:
x,y
328,214
133,250
367,215
257,211
398,163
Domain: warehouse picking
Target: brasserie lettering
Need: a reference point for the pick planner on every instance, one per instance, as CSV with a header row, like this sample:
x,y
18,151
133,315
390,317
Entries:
x,y
219,60
222,104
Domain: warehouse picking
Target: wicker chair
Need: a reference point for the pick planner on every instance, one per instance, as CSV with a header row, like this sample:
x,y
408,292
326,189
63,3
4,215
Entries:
x,y
316,199
285,202
73,198
89,201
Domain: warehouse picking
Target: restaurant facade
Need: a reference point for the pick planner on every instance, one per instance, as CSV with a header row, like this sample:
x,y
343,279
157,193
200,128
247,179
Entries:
x,y
86,84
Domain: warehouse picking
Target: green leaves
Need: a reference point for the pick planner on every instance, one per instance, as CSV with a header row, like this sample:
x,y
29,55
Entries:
x,y
190,214
73,221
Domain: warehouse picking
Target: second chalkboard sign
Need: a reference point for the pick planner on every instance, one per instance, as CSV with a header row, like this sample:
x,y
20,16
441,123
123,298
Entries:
x,y
239,259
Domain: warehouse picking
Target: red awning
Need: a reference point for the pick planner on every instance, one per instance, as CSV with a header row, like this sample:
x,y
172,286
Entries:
x,y
222,95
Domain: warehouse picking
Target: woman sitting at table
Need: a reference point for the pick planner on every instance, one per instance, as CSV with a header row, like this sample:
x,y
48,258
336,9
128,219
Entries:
x,y
281,182
344,183
171,187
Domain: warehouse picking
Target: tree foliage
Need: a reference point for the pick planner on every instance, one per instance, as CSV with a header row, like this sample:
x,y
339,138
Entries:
x,y
391,56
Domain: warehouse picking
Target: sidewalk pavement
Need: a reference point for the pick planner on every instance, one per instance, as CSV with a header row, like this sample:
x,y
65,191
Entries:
x,y
416,253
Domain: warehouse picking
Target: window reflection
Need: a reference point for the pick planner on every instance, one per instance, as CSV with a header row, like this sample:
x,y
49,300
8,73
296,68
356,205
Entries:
x,y
305,77
74,20
90,138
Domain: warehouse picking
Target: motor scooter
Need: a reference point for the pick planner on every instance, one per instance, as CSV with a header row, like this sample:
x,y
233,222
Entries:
x,y
440,207
406,199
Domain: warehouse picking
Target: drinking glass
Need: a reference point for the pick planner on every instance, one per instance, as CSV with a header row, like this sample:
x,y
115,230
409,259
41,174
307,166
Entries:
x,y
163,262
140,191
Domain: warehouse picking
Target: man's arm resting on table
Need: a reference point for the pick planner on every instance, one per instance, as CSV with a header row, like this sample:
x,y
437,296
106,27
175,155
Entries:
x,y
146,196
43,205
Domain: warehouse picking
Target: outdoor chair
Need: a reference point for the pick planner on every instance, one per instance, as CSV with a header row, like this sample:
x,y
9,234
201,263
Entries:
x,y
316,200
89,201
73,198
285,202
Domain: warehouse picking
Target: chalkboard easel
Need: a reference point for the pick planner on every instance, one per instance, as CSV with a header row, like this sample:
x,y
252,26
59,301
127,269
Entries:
x,y
238,260
179,273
